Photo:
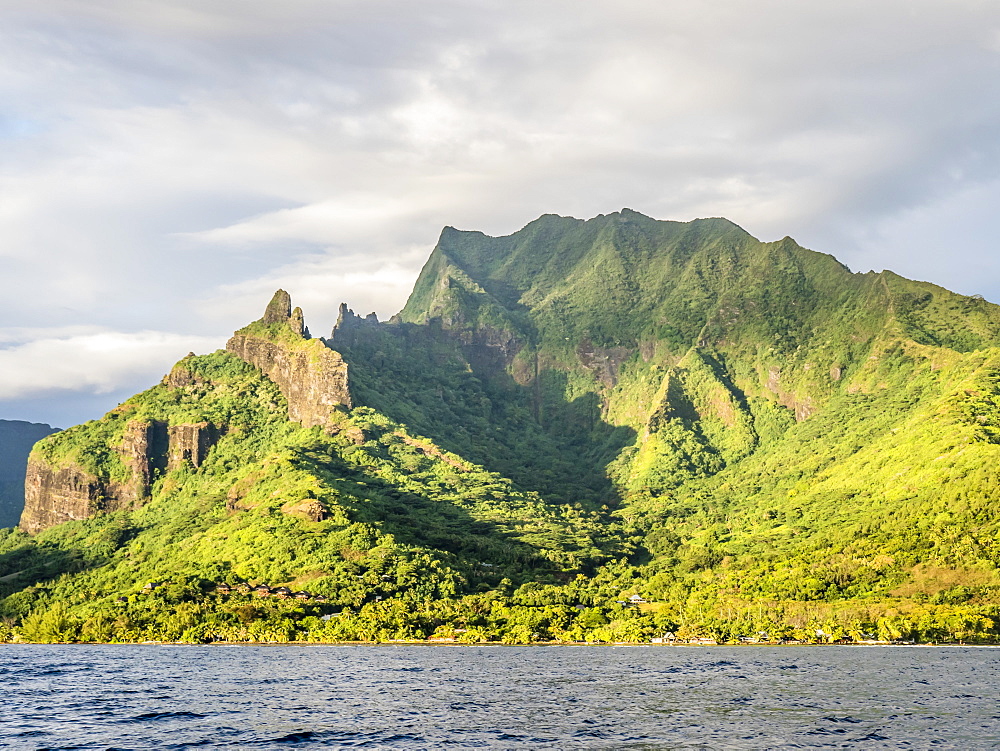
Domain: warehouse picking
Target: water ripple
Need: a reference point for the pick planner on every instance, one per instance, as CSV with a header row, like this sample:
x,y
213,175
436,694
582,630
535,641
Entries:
x,y
411,697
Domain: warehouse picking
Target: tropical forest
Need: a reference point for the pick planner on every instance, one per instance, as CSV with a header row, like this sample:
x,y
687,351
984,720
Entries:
x,y
619,430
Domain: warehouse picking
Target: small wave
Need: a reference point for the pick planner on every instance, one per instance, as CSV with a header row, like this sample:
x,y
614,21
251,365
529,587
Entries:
x,y
192,744
872,736
347,740
301,737
396,739
590,733
456,706
51,671
852,720
168,716
827,731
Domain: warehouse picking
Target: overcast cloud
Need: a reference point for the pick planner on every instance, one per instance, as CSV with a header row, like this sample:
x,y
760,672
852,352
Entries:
x,y
164,166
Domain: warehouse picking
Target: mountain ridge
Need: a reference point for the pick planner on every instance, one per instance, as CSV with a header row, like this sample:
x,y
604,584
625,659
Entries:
x,y
557,419
16,440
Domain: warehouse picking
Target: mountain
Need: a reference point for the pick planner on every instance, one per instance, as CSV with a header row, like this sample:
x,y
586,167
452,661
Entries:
x,y
16,439
747,435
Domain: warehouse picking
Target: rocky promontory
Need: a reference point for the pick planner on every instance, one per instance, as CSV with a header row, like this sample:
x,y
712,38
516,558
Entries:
x,y
60,490
116,471
312,377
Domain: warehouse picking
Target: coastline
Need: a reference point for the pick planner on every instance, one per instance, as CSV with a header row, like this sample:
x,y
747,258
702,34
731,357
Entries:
x,y
415,643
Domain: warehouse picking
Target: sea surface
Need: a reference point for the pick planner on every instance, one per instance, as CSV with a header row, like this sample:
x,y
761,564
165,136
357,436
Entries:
x,y
416,697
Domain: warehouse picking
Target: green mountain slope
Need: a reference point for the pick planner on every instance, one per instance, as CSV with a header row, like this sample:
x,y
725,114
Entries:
x,y
747,434
359,511
696,344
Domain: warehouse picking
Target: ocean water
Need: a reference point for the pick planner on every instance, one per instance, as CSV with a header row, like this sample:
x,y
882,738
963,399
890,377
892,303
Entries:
x,y
414,697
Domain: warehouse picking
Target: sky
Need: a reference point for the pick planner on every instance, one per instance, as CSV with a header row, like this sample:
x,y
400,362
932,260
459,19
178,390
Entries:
x,y
166,165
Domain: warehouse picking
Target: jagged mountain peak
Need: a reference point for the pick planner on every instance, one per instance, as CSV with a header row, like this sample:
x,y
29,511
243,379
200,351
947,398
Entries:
x,y
279,310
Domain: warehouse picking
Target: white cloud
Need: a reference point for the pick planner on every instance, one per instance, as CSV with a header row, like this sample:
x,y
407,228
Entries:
x,y
165,166
96,361
318,284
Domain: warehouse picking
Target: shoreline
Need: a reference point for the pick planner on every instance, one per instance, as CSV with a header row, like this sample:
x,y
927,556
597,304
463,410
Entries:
x,y
402,643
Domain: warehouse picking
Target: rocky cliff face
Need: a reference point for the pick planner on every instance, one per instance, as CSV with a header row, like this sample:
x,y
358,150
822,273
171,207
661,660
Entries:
x,y
56,494
312,377
137,456
187,445
53,496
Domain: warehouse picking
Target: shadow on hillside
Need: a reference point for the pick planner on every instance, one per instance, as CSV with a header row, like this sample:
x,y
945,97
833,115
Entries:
x,y
462,396
30,563
528,542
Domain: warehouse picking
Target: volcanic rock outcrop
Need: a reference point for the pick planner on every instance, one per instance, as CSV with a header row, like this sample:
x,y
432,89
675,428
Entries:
x,y
56,495
60,491
189,444
312,377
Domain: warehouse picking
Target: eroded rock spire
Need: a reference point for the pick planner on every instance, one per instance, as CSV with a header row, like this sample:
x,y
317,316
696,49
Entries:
x,y
279,309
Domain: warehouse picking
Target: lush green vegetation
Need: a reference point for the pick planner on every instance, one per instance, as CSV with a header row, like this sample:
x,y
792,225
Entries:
x,y
761,444
366,515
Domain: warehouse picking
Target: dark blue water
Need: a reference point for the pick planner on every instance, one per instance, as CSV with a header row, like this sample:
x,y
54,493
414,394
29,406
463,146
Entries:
x,y
411,697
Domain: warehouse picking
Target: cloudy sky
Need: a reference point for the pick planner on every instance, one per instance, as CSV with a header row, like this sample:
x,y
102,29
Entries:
x,y
166,164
